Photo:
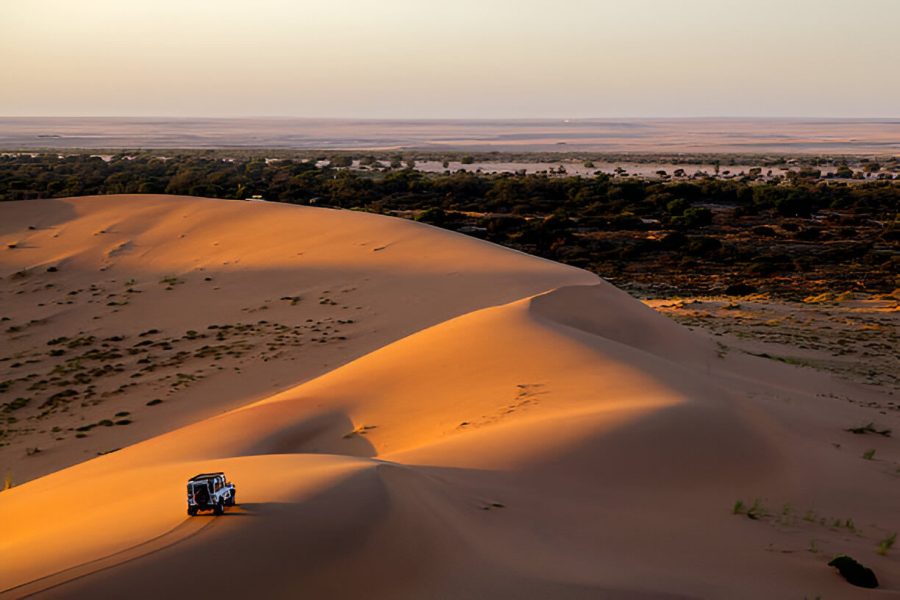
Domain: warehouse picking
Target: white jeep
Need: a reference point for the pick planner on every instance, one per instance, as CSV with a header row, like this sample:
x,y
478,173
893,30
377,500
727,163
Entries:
x,y
210,491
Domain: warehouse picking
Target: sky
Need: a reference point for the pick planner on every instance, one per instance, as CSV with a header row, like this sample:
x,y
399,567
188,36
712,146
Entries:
x,y
450,58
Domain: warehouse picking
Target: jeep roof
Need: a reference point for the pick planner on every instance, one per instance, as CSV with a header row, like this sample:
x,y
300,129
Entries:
x,y
202,476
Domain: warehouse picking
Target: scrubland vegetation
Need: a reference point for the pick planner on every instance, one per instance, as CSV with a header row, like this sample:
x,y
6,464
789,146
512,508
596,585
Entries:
x,y
790,235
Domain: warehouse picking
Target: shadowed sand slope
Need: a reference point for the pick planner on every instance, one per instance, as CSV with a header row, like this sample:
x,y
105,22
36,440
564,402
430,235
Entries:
x,y
566,442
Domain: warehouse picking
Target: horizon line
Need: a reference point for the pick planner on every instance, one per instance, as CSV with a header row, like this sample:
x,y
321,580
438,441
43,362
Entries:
x,y
450,118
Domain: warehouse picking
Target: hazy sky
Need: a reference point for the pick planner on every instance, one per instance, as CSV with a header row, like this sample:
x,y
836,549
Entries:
x,y
450,58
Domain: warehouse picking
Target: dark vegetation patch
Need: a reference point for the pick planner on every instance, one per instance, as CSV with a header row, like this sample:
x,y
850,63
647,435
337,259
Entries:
x,y
789,235
869,428
854,572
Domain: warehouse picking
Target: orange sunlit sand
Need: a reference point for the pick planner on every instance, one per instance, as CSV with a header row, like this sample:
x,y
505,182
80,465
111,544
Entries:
x,y
484,423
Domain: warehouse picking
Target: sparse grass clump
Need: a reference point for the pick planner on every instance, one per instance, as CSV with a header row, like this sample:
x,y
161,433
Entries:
x,y
869,454
170,281
359,430
819,298
886,544
14,404
754,511
59,398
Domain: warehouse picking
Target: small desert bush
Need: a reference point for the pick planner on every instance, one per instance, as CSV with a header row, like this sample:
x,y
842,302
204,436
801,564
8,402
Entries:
x,y
754,511
886,544
869,428
170,280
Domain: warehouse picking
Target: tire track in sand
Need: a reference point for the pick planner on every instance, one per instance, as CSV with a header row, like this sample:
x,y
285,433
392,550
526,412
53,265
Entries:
x,y
185,530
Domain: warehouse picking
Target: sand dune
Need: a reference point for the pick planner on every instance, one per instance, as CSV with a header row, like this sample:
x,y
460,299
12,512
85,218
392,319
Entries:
x,y
343,282
507,427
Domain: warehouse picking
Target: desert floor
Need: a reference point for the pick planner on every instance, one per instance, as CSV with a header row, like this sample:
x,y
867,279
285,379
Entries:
x,y
674,136
412,413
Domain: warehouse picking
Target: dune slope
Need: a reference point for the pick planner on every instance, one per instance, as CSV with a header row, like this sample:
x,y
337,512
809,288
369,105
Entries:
x,y
201,305
563,441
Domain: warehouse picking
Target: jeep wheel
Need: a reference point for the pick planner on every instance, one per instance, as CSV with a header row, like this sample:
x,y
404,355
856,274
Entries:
x,y
219,508
192,511
233,499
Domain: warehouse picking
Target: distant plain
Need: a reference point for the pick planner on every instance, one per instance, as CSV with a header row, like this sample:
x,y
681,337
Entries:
x,y
714,135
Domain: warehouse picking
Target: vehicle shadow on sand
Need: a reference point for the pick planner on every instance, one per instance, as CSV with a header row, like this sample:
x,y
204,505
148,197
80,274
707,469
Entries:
x,y
247,509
